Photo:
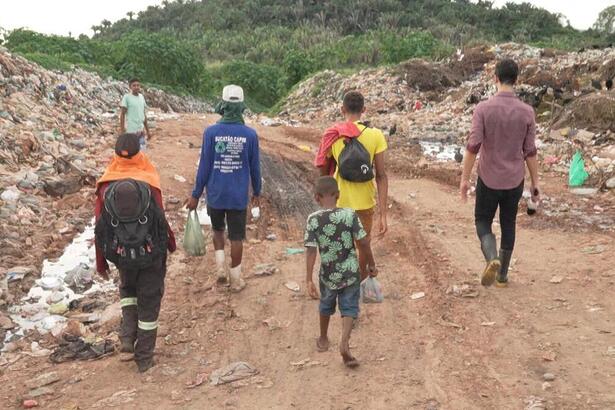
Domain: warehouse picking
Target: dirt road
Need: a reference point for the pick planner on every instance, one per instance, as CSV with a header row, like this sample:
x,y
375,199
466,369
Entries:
x,y
475,349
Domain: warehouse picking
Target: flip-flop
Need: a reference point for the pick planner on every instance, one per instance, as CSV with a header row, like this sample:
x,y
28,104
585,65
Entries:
x,y
320,348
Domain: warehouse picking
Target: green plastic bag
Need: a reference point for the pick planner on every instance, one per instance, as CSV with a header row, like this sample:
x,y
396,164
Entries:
x,y
577,174
194,240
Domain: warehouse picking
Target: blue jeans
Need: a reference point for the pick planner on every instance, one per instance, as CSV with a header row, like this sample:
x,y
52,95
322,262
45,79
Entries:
x,y
142,142
347,299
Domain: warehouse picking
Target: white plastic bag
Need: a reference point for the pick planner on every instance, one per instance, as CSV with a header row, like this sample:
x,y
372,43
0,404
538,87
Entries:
x,y
371,291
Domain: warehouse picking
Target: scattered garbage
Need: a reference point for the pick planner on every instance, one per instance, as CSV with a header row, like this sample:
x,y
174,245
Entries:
x,y
292,285
556,279
306,363
194,240
294,251
594,250
577,174
47,300
271,237
417,295
198,380
266,269
117,399
231,373
179,178
371,291
465,290
548,377
80,278
76,348
10,194
29,404
44,379
18,273
37,351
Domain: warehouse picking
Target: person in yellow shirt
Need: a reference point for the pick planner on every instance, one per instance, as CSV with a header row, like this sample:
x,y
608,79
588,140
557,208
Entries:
x,y
359,196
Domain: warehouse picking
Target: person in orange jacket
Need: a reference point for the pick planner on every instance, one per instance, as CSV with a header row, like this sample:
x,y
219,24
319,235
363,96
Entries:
x,y
129,205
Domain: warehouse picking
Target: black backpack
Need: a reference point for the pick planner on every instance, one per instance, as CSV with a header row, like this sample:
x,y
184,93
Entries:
x,y
132,241
354,162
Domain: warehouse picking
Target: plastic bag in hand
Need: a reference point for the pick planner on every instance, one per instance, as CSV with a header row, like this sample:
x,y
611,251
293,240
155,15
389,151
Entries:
x,y
371,291
194,240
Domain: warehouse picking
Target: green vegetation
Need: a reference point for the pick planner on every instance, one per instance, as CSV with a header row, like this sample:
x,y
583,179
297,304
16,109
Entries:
x,y
268,46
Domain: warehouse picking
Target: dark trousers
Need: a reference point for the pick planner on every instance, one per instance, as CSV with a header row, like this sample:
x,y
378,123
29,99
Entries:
x,y
141,293
487,202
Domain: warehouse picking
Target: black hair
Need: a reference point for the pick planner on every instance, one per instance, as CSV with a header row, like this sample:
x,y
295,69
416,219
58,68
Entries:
x,y
133,80
354,102
326,186
507,71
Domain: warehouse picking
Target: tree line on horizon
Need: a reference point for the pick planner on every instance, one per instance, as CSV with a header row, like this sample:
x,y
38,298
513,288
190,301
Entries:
x,y
268,46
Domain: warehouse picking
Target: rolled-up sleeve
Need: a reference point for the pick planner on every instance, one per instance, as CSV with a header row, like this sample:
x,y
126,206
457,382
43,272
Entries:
x,y
529,143
477,134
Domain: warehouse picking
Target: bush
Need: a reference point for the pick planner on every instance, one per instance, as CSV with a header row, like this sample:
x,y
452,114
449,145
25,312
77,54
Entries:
x,y
160,59
48,62
297,66
262,83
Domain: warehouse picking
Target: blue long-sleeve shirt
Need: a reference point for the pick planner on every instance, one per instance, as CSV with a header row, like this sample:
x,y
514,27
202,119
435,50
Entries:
x,y
229,159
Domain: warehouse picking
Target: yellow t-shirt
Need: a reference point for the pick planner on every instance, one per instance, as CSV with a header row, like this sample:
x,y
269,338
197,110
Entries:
x,y
359,195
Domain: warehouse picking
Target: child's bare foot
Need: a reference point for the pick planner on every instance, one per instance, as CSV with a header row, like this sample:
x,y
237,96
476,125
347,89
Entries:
x,y
349,360
322,345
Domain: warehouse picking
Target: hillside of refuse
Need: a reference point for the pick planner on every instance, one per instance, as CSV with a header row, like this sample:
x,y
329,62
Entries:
x,y
425,101
56,132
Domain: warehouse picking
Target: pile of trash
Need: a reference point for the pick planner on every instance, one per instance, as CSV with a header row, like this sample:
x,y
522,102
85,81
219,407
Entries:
x,y
56,135
431,103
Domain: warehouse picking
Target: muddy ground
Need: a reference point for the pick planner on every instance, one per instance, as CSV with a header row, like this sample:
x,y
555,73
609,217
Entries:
x,y
481,349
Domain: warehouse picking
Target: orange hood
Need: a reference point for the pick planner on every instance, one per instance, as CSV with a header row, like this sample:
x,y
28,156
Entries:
x,y
138,167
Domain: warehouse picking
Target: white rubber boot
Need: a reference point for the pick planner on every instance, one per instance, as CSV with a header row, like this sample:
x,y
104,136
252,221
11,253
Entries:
x,y
221,267
237,284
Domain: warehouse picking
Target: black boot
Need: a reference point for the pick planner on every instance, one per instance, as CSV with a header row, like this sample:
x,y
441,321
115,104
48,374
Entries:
x,y
144,349
502,277
128,332
489,247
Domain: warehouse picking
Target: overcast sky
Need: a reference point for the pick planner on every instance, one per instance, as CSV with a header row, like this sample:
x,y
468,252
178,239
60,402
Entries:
x,y
77,16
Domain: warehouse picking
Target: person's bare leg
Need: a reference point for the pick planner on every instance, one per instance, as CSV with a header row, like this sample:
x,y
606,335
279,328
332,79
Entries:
x,y
236,253
349,360
219,240
323,341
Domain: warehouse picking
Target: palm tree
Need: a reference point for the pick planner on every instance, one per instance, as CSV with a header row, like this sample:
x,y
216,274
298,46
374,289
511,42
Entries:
x,y
130,15
106,24
95,29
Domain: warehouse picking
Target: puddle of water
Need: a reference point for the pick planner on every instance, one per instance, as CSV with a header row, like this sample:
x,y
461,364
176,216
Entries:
x,y
33,313
438,150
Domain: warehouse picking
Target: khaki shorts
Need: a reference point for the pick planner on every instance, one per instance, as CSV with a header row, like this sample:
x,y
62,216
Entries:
x,y
366,216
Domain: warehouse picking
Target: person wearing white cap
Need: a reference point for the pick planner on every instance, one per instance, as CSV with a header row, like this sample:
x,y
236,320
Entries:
x,y
230,160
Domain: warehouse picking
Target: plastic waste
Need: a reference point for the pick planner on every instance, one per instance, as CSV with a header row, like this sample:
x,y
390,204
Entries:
x,y
80,277
371,291
294,251
577,174
194,240
11,194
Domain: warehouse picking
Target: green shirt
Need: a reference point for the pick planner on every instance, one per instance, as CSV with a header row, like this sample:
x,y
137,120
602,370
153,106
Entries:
x,y
333,232
135,112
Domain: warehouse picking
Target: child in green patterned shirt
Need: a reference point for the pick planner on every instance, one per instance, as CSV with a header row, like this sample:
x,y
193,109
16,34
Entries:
x,y
333,231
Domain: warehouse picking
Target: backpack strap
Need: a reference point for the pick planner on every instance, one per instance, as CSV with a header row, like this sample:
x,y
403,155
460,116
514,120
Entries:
x,y
361,133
